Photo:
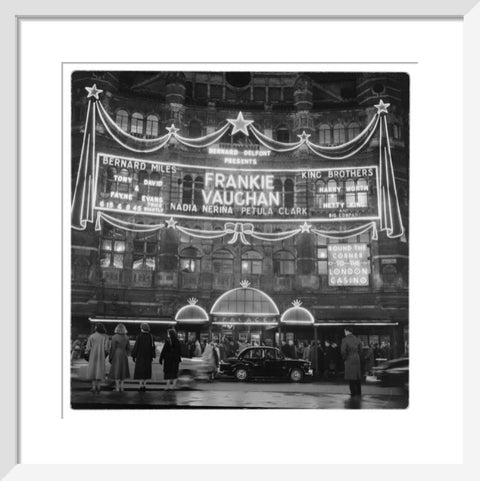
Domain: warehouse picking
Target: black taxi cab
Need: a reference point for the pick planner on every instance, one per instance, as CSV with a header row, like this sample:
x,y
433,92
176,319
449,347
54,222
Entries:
x,y
265,362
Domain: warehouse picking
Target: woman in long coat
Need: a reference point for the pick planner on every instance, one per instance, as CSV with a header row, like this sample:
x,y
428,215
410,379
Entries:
x,y
96,351
143,354
171,358
351,350
119,350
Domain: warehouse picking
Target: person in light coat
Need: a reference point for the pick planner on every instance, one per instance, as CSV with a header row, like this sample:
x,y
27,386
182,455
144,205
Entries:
x,y
96,351
351,350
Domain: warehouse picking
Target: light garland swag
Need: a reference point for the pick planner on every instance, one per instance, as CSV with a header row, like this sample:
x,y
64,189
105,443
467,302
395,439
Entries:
x,y
85,187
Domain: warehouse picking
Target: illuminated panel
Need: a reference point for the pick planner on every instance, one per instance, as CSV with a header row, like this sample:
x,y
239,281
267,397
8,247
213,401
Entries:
x,y
348,264
247,192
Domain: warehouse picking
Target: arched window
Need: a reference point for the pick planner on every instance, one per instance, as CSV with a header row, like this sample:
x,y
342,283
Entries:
x,y
151,126
155,183
289,193
338,134
252,262
142,183
320,196
324,135
112,248
111,180
350,196
353,130
137,124
282,134
223,262
124,181
362,193
283,263
187,190
332,196
198,192
195,128
121,119
145,251
190,260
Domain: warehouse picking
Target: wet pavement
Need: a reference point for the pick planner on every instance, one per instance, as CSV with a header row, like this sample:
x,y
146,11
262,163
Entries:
x,y
234,395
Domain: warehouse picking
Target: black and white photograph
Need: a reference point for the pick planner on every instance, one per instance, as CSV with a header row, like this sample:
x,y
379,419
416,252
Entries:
x,y
239,239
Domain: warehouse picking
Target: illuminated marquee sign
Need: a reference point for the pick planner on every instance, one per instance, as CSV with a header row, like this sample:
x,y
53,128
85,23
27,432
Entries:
x,y
158,188
348,264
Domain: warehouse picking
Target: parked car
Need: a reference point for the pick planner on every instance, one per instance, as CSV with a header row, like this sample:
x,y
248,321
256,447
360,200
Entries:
x,y
265,362
392,373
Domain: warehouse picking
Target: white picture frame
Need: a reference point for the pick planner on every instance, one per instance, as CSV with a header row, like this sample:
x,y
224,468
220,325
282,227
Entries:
x,y
13,18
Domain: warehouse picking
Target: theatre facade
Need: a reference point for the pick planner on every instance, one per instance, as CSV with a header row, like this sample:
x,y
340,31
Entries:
x,y
262,206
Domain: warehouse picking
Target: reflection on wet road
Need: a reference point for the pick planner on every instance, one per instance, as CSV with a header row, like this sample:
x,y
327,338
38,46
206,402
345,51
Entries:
x,y
218,395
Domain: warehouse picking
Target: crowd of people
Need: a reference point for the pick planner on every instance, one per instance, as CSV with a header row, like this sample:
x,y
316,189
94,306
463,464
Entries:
x,y
326,357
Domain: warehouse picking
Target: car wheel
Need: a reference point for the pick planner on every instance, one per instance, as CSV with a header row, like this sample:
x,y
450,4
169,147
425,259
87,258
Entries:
x,y
241,374
296,375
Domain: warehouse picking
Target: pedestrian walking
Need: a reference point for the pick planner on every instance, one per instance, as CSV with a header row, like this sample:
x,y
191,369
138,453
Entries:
x,y
171,357
351,349
96,351
118,357
143,353
211,358
198,349
368,360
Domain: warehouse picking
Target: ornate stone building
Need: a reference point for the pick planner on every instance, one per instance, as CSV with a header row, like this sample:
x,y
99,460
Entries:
x,y
119,275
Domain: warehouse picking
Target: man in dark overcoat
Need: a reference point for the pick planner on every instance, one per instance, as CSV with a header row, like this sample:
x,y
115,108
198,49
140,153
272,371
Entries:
x,y
351,350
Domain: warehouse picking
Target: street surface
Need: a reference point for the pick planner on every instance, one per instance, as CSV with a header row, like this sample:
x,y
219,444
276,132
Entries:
x,y
227,393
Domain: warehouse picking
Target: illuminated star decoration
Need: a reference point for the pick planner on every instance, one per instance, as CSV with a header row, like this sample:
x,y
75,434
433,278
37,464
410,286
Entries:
x,y
245,284
382,108
171,223
172,130
297,303
304,136
93,91
240,124
305,227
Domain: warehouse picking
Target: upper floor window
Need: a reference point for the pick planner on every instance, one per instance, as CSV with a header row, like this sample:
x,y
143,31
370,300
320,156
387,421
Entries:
x,y
324,135
252,262
283,263
389,275
338,134
121,119
187,189
222,262
151,126
289,193
320,196
353,130
198,186
282,134
195,128
332,196
137,123
145,251
322,258
190,260
397,131
112,248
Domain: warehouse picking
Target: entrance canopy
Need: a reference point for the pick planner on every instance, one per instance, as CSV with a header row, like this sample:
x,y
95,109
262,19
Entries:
x,y
297,315
191,313
245,301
